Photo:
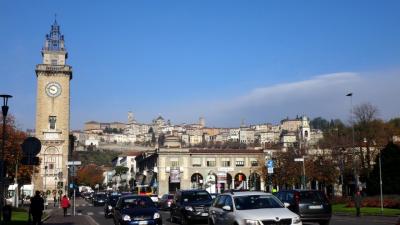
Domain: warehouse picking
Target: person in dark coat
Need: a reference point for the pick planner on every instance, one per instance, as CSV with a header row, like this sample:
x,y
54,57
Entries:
x,y
357,202
36,208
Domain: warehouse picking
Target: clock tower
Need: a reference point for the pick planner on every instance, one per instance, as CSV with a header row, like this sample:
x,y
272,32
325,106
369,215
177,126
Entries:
x,y
53,113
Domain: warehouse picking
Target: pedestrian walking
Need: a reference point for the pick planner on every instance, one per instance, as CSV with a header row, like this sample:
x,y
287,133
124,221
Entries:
x,y
65,204
36,208
357,202
55,200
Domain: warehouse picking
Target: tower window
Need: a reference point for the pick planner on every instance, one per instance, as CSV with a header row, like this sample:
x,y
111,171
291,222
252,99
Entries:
x,y
54,62
52,121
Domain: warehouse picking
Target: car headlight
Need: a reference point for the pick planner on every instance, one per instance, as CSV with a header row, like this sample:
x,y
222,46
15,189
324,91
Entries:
x,y
296,220
189,208
109,207
126,218
251,222
156,215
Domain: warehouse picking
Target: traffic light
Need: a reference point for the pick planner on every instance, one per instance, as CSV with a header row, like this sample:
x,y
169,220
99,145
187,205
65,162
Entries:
x,y
60,185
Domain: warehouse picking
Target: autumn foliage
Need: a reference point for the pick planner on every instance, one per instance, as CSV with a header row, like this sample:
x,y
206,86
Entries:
x,y
13,152
90,175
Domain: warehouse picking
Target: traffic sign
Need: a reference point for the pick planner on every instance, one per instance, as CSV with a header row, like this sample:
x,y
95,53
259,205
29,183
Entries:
x,y
299,159
31,146
270,164
74,163
270,170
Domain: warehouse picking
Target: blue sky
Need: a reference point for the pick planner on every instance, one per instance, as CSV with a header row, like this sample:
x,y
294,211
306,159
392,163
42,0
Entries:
x,y
225,60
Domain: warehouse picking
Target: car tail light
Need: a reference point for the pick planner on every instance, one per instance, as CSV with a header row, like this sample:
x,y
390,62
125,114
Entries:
x,y
297,198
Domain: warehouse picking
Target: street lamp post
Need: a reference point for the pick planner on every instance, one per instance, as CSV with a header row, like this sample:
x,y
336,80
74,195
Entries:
x,y
380,180
352,143
4,110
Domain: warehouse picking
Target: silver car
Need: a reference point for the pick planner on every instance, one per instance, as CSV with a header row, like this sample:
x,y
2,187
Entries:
x,y
250,208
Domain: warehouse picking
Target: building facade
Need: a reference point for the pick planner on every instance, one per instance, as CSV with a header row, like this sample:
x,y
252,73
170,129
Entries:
x,y
214,170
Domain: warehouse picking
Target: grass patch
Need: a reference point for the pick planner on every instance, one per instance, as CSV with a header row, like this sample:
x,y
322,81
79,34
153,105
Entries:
x,y
366,211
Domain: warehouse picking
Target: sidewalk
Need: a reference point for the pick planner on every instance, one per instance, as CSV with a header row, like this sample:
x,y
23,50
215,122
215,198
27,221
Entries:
x,y
57,218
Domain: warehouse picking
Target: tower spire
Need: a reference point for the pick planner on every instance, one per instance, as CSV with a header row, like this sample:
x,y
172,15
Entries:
x,y
54,40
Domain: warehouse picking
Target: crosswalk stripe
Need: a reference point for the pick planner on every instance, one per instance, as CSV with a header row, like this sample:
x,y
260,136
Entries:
x,y
79,214
90,214
101,213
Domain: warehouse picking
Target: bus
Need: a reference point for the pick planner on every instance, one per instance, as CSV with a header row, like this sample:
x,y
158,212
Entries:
x,y
143,190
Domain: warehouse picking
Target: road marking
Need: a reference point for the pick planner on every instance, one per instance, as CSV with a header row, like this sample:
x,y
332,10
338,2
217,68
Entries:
x,y
101,213
79,214
91,220
90,214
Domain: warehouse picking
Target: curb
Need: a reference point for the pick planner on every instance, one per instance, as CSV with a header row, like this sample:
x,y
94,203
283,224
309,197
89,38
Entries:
x,y
353,215
46,218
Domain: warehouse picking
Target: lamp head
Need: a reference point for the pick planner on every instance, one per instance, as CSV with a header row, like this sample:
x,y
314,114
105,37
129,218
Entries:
x,y
4,108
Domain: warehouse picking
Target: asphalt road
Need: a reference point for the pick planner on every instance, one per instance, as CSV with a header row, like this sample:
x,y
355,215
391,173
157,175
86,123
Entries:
x,y
97,213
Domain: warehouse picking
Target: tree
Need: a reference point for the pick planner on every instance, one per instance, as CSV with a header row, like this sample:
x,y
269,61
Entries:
x,y
13,152
161,140
90,175
390,159
120,170
319,123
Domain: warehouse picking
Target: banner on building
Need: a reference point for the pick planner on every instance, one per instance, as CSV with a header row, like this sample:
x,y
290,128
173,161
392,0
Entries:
x,y
174,176
221,177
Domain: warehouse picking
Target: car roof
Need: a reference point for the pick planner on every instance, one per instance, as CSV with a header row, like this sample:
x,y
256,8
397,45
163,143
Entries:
x,y
194,190
300,190
132,195
245,193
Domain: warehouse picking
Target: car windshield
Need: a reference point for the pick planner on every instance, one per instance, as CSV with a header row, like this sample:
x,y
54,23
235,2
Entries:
x,y
137,202
101,196
200,196
256,202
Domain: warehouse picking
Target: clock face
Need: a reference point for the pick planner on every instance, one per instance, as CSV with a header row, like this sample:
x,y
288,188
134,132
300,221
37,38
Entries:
x,y
53,89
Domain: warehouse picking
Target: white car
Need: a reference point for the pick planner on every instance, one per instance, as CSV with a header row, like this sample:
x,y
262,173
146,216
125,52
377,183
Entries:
x,y
250,208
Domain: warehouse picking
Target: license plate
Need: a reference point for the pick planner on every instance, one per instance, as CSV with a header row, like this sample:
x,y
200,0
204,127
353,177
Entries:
x,y
204,214
315,207
142,222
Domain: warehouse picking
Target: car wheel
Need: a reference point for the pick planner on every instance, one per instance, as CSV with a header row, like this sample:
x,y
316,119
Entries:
x,y
324,222
184,220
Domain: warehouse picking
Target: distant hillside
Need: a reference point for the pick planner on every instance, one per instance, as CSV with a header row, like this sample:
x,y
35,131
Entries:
x,y
98,157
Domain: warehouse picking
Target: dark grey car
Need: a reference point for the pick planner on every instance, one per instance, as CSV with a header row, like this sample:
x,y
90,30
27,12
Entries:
x,y
310,205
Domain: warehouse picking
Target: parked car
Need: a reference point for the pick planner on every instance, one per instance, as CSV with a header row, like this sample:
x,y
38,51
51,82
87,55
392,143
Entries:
x,y
110,204
136,210
190,205
250,208
310,205
99,199
166,201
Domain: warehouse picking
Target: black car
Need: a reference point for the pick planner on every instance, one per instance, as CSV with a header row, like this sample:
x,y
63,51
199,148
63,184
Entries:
x,y
190,205
110,205
136,210
99,199
310,205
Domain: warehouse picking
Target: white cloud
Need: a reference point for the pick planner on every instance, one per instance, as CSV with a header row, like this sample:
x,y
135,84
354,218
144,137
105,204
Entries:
x,y
322,95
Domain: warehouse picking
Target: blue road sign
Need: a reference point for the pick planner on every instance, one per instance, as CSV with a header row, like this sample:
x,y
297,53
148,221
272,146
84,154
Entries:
x,y
270,164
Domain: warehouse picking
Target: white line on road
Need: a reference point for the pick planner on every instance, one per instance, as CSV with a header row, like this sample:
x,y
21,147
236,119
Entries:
x,y
91,220
90,214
